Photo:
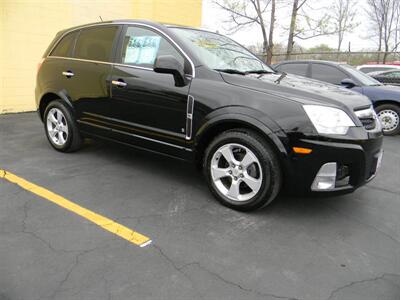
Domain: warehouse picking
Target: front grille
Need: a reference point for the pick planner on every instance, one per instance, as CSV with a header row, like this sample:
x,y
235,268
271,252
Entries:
x,y
367,118
368,123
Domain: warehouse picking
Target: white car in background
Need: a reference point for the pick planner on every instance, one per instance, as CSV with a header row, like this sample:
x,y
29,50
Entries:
x,y
374,68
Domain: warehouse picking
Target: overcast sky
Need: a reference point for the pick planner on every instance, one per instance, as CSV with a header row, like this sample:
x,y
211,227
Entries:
x,y
213,19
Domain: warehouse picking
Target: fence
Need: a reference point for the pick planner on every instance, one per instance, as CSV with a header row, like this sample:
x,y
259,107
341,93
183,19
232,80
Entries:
x,y
352,58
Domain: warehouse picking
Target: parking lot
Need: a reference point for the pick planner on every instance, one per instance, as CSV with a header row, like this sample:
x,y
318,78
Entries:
x,y
345,247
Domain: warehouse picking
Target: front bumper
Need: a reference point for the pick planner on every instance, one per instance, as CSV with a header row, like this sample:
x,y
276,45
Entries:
x,y
355,162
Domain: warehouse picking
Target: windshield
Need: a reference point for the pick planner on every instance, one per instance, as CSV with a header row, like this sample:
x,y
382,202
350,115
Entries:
x,y
360,76
219,52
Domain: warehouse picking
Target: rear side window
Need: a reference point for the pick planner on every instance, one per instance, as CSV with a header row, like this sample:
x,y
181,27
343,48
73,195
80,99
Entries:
x,y
64,47
327,73
96,43
297,69
373,69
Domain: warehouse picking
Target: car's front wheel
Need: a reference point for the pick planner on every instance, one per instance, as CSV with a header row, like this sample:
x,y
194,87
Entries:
x,y
60,127
242,170
389,115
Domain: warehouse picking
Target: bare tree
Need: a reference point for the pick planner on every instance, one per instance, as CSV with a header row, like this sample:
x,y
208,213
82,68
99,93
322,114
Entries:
x,y
384,15
304,27
343,15
243,13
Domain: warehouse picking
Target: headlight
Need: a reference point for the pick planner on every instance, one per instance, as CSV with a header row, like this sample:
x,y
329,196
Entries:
x,y
328,120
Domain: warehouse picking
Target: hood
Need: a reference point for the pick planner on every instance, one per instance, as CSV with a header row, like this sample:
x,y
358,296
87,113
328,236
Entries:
x,y
382,92
300,89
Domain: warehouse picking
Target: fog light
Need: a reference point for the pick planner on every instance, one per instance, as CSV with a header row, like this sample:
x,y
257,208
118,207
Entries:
x,y
326,178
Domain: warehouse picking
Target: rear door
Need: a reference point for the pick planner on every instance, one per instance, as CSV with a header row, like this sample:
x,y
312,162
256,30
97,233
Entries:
x,y
88,75
148,109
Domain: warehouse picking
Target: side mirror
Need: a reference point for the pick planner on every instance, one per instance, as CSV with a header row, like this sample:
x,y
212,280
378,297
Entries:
x,y
348,83
167,64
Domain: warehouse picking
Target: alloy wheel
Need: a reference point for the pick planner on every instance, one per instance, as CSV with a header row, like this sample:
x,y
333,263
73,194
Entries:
x,y
57,127
236,172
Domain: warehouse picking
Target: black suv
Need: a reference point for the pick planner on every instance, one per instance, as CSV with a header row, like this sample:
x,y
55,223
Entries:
x,y
200,96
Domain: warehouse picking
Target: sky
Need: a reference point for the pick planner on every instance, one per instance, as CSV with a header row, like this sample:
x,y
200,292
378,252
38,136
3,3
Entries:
x,y
214,17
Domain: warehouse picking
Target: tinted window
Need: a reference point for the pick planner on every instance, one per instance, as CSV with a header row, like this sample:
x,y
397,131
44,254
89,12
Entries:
x,y
142,46
96,43
373,69
297,69
64,47
392,74
327,73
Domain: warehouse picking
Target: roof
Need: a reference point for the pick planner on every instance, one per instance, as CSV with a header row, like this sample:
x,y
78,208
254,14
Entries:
x,y
327,62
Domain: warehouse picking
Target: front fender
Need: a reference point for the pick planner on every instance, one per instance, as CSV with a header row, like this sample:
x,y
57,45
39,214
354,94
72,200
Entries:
x,y
247,117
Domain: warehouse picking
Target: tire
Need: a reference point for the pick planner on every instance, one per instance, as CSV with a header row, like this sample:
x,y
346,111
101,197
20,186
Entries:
x,y
389,115
61,129
263,174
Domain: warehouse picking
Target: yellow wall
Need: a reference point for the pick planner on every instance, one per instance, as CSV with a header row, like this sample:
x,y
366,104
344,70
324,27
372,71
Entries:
x,y
28,26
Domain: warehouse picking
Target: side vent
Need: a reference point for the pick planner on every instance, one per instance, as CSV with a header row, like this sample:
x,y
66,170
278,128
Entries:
x,y
189,117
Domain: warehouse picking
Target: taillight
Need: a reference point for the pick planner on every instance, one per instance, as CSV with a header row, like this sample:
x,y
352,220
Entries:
x,y
39,65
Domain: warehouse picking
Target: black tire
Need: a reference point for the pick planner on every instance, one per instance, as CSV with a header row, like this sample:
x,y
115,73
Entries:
x,y
395,110
74,141
268,162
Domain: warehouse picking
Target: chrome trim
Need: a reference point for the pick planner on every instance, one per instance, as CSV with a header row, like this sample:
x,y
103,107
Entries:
x,y
189,117
135,135
119,83
68,74
127,23
171,133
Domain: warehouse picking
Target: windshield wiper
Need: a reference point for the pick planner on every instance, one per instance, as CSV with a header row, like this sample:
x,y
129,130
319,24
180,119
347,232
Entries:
x,y
283,75
259,72
231,71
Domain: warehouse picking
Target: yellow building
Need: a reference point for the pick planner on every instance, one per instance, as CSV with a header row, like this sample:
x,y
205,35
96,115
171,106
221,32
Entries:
x,y
28,26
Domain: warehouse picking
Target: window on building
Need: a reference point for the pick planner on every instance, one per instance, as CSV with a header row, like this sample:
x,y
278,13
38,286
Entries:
x,y
96,43
64,47
142,46
327,73
294,68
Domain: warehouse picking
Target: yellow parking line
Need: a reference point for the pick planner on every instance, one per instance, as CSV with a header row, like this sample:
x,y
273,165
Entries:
x,y
106,223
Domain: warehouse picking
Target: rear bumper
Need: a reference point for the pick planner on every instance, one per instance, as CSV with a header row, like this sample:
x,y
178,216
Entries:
x,y
356,161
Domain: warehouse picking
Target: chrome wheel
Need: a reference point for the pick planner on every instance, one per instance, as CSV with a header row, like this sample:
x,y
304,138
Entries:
x,y
236,172
389,119
57,127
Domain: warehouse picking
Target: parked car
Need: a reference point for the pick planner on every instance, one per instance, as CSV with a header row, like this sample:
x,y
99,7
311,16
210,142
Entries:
x,y
375,68
391,77
200,96
386,99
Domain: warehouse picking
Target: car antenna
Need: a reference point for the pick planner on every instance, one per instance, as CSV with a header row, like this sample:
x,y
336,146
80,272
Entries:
x,y
101,18
283,75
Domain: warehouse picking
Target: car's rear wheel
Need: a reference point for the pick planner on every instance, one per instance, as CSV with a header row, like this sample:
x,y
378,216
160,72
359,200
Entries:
x,y
389,115
60,127
242,170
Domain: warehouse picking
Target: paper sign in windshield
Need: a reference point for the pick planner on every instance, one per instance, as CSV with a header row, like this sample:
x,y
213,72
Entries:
x,y
142,49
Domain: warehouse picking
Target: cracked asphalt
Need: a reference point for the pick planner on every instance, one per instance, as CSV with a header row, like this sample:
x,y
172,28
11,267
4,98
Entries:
x,y
345,247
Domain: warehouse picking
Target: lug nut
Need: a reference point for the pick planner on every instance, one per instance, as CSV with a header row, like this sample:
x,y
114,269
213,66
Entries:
x,y
230,172
241,175
235,178
240,167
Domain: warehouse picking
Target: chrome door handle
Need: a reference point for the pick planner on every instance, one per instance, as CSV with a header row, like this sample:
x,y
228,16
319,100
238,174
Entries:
x,y
68,74
119,83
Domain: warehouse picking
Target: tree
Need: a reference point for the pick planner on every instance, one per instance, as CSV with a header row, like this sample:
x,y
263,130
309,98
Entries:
x,y
303,27
243,13
384,15
343,14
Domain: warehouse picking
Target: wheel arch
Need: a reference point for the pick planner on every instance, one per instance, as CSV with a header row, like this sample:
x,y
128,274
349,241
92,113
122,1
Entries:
x,y
51,96
383,102
219,124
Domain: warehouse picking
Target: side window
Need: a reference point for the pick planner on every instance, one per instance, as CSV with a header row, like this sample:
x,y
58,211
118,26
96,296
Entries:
x,y
64,47
393,74
297,69
96,43
142,46
327,73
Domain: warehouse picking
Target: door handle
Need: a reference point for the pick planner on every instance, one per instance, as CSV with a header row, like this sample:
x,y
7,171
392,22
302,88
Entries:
x,y
119,83
68,74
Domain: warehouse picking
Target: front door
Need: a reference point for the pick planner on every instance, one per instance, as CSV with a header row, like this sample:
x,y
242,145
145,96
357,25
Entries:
x,y
147,108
